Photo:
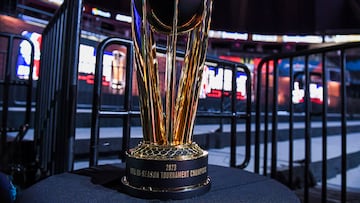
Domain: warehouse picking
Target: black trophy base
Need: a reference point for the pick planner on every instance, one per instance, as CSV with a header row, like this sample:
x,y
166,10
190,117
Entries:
x,y
166,172
175,194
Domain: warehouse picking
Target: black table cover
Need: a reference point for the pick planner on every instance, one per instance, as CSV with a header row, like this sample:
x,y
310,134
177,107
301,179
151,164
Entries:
x,y
102,184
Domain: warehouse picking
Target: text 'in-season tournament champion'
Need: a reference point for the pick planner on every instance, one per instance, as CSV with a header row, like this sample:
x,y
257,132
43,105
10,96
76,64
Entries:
x,y
167,164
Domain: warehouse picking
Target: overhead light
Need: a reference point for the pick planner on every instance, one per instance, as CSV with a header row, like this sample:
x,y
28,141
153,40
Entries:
x,y
264,38
227,35
304,39
342,38
123,18
58,2
232,35
98,12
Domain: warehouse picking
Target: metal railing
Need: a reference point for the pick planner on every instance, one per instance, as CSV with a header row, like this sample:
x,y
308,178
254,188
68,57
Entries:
x,y
98,112
8,84
267,108
128,112
235,114
57,89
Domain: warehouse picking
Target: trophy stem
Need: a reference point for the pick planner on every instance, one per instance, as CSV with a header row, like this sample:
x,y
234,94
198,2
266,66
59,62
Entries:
x,y
190,80
152,117
171,70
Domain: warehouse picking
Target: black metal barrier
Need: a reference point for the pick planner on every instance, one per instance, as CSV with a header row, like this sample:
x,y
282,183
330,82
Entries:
x,y
98,112
128,112
57,89
11,148
267,109
235,114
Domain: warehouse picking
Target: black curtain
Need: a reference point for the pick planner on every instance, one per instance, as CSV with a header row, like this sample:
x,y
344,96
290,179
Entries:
x,y
8,7
355,7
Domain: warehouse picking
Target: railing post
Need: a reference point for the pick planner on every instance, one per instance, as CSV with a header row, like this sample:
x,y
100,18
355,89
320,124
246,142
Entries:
x,y
308,113
343,126
57,99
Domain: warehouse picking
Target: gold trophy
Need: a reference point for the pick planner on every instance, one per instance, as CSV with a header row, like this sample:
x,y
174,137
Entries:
x,y
167,164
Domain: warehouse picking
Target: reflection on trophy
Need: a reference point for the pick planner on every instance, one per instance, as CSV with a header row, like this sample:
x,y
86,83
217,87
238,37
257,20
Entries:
x,y
167,164
117,69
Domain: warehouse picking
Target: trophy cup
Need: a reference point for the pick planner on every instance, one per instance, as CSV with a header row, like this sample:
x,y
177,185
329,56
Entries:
x,y
167,164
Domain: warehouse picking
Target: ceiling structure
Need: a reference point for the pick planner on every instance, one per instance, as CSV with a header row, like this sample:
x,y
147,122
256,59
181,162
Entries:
x,y
288,17
274,16
251,16
269,17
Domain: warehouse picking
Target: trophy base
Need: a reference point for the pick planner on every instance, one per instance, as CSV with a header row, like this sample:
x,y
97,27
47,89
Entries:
x,y
165,194
166,172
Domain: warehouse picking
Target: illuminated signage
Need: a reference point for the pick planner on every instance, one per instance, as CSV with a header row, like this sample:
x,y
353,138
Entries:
x,y
316,93
24,56
87,61
98,12
217,83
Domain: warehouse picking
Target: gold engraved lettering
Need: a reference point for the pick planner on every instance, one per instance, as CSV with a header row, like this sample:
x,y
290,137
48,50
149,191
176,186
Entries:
x,y
138,172
174,174
144,173
133,171
168,174
150,174
170,167
197,172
